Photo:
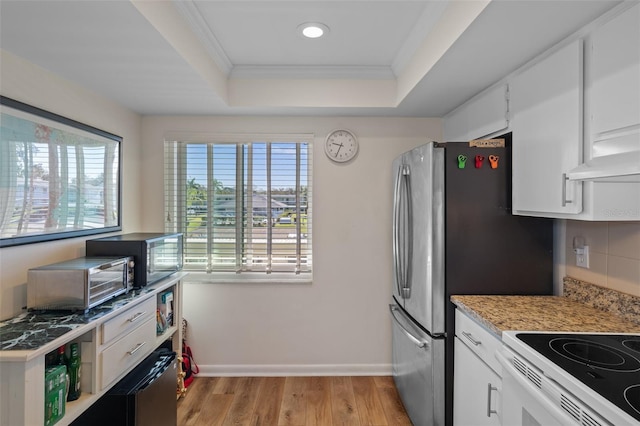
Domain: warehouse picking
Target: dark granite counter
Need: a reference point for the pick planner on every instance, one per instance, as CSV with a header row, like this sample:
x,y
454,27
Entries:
x,y
36,333
32,330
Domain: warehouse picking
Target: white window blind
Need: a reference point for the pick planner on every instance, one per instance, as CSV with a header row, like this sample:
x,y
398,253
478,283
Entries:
x,y
243,205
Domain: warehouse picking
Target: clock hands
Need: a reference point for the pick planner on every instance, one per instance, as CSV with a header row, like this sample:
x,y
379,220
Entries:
x,y
340,145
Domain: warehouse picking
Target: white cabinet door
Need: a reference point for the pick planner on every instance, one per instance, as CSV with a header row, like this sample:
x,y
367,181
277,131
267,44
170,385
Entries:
x,y
614,83
455,125
547,109
485,115
488,113
477,390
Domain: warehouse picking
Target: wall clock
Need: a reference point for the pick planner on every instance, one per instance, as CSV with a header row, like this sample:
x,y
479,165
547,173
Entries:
x,y
341,145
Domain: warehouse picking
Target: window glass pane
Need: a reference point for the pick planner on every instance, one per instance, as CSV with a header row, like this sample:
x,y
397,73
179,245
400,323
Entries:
x,y
224,206
196,217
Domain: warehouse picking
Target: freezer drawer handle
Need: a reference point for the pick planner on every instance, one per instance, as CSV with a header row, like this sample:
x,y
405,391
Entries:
x,y
419,343
469,336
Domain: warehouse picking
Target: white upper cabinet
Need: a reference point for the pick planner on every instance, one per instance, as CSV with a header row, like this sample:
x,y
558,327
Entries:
x,y
546,104
483,115
612,119
613,80
574,112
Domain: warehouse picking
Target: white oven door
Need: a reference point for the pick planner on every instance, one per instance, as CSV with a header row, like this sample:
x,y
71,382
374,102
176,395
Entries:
x,y
531,399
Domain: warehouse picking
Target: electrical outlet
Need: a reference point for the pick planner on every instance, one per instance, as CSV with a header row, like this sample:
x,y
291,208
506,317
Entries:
x,y
582,257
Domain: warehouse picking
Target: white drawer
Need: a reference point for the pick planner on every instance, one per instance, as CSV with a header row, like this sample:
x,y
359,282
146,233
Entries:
x,y
480,340
128,320
127,351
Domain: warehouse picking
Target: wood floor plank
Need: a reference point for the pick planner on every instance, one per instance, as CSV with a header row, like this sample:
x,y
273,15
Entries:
x,y
384,381
190,406
343,402
215,409
293,407
368,402
267,408
245,397
292,401
226,385
393,408
318,383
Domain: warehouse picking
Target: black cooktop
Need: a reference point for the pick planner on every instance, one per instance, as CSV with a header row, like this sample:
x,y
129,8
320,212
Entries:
x,y
607,363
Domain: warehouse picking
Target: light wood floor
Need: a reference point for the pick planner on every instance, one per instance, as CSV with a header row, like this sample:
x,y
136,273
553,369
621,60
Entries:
x,y
292,401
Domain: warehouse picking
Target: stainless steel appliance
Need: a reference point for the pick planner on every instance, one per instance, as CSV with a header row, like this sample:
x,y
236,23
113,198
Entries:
x,y
145,397
156,255
453,233
78,284
570,379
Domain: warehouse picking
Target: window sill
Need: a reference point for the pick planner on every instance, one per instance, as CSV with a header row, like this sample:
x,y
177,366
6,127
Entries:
x,y
246,278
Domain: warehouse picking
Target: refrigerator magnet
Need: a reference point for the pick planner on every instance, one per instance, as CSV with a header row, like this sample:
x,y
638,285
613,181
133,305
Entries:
x,y
493,161
462,161
479,160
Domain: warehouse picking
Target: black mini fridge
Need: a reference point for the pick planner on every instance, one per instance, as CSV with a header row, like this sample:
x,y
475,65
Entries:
x,y
144,397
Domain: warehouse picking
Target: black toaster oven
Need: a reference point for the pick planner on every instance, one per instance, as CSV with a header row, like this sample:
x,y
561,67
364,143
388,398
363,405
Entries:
x,y
156,255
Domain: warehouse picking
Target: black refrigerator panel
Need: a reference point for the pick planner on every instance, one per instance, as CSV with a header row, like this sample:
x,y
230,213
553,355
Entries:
x,y
487,249
144,397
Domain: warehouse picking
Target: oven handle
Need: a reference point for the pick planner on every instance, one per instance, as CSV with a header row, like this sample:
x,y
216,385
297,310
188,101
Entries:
x,y
532,390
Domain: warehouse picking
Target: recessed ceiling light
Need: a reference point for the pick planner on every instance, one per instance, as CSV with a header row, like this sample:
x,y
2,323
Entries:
x,y
313,29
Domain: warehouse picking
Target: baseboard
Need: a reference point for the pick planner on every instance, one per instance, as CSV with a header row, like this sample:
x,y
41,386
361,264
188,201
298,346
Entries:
x,y
295,370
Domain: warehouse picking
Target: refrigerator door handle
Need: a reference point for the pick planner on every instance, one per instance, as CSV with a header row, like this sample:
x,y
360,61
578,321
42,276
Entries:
x,y
419,343
397,202
408,237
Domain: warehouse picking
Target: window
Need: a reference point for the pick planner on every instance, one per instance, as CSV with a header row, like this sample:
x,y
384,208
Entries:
x,y
243,204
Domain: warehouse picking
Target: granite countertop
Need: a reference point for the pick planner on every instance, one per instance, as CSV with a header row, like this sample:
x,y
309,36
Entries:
x,y
30,333
34,329
540,313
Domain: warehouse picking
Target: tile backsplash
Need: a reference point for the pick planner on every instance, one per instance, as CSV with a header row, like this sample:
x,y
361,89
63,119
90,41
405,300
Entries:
x,y
614,254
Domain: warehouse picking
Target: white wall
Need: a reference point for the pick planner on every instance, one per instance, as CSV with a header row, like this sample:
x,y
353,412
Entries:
x,y
339,323
614,254
27,83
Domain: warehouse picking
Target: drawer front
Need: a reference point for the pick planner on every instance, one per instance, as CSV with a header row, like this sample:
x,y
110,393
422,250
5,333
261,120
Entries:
x,y
477,338
127,352
128,320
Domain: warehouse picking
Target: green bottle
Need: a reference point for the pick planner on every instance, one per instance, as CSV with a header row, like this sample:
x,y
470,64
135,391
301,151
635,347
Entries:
x,y
74,368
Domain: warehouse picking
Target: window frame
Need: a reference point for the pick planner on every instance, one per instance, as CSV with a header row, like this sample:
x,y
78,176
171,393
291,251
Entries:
x,y
175,203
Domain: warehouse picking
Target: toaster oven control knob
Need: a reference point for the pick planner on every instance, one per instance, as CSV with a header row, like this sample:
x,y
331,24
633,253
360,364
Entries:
x,y
131,264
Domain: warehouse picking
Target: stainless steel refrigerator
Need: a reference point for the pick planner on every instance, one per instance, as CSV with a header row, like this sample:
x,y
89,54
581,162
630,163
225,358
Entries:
x,y
453,233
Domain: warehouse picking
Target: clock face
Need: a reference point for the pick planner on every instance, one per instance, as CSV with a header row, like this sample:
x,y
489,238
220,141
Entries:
x,y
341,146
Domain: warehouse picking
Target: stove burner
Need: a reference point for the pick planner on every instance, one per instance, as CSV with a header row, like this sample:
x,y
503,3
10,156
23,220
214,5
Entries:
x,y
594,354
632,396
608,364
633,344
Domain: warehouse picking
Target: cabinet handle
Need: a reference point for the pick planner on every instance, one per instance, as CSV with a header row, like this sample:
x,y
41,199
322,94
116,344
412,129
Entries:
x,y
489,390
471,339
136,317
136,349
565,179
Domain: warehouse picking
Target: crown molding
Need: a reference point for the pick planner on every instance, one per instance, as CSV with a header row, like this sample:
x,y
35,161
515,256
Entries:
x,y
191,13
307,72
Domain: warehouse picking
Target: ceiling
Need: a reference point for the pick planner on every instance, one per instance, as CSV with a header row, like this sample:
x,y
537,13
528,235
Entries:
x,y
208,57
